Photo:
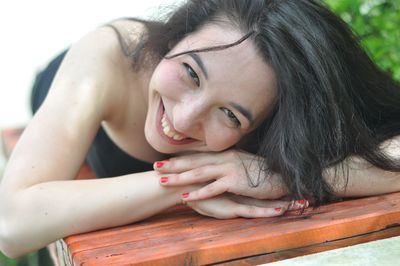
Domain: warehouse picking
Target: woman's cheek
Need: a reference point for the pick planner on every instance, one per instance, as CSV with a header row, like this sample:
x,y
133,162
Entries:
x,y
169,78
222,139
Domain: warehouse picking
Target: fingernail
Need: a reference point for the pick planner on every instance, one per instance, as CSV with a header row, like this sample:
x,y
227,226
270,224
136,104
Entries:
x,y
301,202
159,164
164,179
185,195
278,209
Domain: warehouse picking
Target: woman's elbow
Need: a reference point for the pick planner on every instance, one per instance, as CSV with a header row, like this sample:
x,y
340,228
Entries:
x,y
9,244
12,241
9,250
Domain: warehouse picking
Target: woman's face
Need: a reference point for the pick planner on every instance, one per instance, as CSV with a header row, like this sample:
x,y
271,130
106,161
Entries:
x,y
208,101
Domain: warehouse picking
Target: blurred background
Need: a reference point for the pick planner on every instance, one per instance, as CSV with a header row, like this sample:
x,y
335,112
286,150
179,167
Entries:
x,y
35,31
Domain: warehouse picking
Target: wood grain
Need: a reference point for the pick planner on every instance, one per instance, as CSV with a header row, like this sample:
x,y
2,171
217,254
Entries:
x,y
301,251
182,237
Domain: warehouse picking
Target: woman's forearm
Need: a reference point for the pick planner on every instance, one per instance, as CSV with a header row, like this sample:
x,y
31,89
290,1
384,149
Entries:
x,y
356,177
48,211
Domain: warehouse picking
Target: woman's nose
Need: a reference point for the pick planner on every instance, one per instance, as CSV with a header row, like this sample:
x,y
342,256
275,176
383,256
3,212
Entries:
x,y
189,118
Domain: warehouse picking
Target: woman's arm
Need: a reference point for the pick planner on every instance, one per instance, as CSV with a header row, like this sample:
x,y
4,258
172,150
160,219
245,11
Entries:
x,y
42,213
39,200
355,177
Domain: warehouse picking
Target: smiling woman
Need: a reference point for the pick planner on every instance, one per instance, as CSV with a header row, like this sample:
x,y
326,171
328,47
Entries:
x,y
215,109
224,101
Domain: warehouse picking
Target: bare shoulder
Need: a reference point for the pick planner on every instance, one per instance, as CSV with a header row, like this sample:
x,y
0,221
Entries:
x,y
130,32
95,54
95,66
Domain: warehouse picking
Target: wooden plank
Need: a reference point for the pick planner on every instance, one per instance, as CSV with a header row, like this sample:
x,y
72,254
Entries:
x,y
291,253
182,237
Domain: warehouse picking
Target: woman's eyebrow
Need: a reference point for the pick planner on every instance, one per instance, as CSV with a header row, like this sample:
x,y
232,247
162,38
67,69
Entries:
x,y
245,112
199,62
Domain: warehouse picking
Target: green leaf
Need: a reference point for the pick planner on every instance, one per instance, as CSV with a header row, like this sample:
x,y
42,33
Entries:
x,y
377,23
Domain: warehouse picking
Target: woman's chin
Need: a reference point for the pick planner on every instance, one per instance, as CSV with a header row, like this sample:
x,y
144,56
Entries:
x,y
159,145
164,149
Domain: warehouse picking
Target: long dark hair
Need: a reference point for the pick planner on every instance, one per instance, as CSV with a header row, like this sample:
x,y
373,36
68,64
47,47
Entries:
x,y
333,102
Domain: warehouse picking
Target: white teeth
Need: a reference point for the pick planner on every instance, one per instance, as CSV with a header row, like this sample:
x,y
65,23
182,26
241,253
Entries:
x,y
168,131
178,137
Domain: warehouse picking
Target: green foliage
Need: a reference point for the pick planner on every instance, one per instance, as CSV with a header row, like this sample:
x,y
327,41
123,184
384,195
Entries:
x,y
377,23
40,258
31,260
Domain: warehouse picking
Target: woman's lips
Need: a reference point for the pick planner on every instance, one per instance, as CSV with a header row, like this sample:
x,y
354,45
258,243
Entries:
x,y
160,130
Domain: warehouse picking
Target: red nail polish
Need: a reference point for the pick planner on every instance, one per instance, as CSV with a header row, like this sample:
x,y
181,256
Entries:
x,y
164,179
185,195
301,202
278,209
159,164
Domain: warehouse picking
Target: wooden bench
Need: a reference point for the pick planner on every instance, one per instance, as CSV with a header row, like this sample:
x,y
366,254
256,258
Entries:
x,y
180,236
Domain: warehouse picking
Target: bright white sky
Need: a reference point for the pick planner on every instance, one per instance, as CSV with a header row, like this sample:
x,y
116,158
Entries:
x,y
32,32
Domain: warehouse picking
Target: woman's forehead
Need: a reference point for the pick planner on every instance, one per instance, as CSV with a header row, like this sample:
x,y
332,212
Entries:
x,y
239,56
212,34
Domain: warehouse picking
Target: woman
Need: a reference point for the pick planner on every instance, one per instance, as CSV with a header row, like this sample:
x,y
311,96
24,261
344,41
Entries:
x,y
216,83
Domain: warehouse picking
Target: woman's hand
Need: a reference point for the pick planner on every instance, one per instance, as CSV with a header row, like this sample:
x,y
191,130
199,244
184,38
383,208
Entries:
x,y
231,171
227,206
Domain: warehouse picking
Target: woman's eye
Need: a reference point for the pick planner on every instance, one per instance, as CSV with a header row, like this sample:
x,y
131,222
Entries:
x,y
192,74
231,116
